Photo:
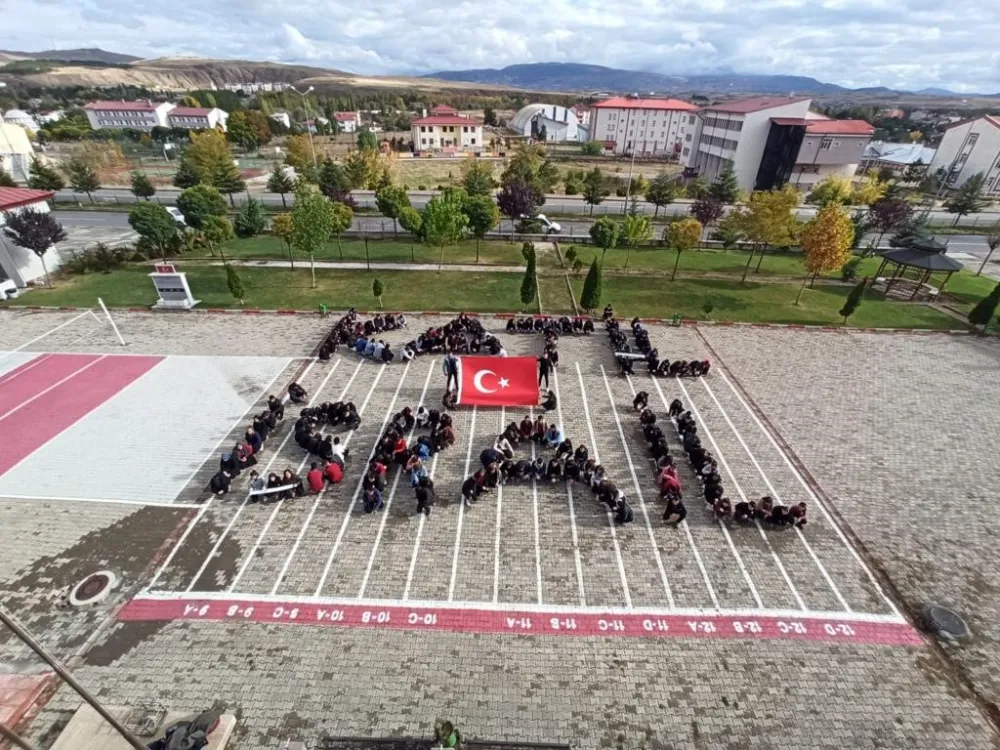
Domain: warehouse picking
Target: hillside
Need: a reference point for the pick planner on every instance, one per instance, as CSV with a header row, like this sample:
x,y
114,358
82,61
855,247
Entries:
x,y
84,55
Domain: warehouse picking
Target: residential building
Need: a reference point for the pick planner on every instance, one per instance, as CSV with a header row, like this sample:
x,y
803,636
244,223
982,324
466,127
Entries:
x,y
15,151
830,148
443,110
197,118
968,148
251,88
895,156
139,115
17,264
47,117
555,122
349,122
22,118
645,127
283,118
446,133
582,113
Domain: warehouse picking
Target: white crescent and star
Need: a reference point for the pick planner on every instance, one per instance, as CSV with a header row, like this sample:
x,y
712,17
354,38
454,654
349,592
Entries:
x,y
477,381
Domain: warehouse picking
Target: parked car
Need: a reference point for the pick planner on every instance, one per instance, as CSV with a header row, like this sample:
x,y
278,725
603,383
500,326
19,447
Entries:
x,y
544,224
178,216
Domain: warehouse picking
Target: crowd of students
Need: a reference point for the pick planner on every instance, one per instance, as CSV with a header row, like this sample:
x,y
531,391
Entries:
x,y
544,324
643,351
359,334
462,335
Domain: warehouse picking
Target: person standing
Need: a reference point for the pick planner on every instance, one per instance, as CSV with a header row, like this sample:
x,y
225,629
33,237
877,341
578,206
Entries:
x,y
544,368
450,367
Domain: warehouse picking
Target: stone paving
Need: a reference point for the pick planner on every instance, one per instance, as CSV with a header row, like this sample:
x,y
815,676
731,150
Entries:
x,y
299,682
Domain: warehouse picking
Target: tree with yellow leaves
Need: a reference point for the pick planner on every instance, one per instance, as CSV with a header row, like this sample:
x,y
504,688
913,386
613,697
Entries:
x,y
869,190
826,243
299,154
680,236
833,189
767,219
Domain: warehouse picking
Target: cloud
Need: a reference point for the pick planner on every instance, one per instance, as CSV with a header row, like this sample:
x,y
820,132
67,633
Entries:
x,y
899,43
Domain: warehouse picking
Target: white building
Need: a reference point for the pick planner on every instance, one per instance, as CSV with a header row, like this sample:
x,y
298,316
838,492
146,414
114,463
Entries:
x,y
283,118
48,117
554,122
896,156
450,133
646,127
968,148
252,88
582,113
15,151
197,118
21,118
349,121
141,115
18,266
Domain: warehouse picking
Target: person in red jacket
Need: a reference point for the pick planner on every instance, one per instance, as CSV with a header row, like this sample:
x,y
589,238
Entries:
x,y
315,479
333,472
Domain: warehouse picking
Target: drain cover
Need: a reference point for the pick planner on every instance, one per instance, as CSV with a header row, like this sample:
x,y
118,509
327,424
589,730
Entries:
x,y
94,588
944,622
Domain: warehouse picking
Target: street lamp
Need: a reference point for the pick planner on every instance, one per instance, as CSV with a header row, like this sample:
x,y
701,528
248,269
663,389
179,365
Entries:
x,y
305,105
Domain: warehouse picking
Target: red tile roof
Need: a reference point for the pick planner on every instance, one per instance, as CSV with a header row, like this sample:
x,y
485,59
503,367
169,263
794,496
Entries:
x,y
839,127
446,120
746,106
120,106
443,109
17,197
623,102
190,111
345,116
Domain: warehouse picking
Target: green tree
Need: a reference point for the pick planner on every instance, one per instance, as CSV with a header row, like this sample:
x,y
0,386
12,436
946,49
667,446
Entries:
x,y
377,290
43,177
604,233
529,284
238,131
661,191
725,189
490,117
209,157
444,221
235,283
228,180
853,300
635,230
768,220
250,219
682,235
696,189
547,176
199,202
483,215
279,182
281,227
590,298
186,176
299,154
312,224
216,230
367,140
343,216
156,228
390,202
593,188
968,199
477,177
142,187
984,310
412,222
82,177
35,231
591,148
5,179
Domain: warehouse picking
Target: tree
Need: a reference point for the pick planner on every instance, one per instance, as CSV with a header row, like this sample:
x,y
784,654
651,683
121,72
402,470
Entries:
x,y
142,187
250,219
216,230
5,179
853,300
547,176
343,217
524,166
188,101
238,131
260,126
228,180
335,183
477,177
519,199
280,182
725,189
390,201
367,140
483,215
199,202
490,117
707,210
871,189
208,156
680,236
914,172
377,290
966,200
235,283
992,242
604,233
833,189
887,215
43,177
299,154
529,284
312,224
412,222
591,148
593,188
635,230
767,220
983,312
281,227
444,221
82,177
826,243
590,298
661,191
156,227
35,231
362,168
186,176
697,188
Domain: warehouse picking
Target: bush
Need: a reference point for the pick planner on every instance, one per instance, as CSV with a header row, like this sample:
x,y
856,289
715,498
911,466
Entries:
x,y
99,259
708,307
572,187
577,266
621,191
421,187
571,253
850,270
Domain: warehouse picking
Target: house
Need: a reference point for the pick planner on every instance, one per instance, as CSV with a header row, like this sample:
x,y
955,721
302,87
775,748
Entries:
x,y
582,113
283,118
138,115
19,267
895,156
349,122
197,118
15,151
892,113
968,148
554,122
22,118
49,117
443,110
771,141
446,132
645,127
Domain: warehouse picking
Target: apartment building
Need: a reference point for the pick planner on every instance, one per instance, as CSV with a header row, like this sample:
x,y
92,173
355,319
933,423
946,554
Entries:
x,y
446,133
830,148
645,127
140,115
197,118
968,148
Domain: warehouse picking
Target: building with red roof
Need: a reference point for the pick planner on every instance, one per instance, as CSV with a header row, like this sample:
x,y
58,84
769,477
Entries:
x,y
443,109
349,122
197,118
448,133
645,127
18,266
136,115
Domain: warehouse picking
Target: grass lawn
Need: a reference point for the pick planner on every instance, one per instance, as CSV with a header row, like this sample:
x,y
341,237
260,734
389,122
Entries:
x,y
270,289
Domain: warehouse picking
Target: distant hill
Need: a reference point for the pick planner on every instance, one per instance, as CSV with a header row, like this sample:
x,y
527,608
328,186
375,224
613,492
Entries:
x,y
932,91
85,55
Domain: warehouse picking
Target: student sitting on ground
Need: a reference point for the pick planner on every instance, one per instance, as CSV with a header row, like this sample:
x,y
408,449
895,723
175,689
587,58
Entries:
x,y
273,481
525,429
219,484
289,477
314,478
745,511
553,436
296,393
549,402
256,484
722,508
372,500
797,515
276,407
333,472
623,512
422,418
564,449
444,437
554,470
450,399
540,428
471,488
503,445
675,512
640,401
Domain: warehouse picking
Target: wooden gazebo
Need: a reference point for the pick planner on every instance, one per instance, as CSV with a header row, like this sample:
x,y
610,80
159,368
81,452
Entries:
x,y
927,256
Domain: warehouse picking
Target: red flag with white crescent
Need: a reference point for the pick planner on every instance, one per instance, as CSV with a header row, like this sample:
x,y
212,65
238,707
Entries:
x,y
498,381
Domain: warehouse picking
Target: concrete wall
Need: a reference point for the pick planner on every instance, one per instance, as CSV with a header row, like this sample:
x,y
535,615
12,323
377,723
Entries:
x,y
753,138
844,149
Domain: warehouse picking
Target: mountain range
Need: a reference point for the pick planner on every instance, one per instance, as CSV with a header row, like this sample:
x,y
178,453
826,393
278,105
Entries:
x,y
83,55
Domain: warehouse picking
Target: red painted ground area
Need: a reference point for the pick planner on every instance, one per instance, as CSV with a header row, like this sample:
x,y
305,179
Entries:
x,y
17,693
556,623
26,427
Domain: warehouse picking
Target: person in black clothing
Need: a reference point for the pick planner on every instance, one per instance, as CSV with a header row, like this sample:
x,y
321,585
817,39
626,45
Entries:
x,y
675,512
640,401
549,402
471,488
565,449
296,393
276,407
581,455
623,512
745,511
609,313
554,471
490,456
450,399
425,496
676,408
219,485
544,368
571,470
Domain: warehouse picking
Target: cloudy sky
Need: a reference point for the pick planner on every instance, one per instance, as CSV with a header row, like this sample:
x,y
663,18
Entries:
x,y
897,43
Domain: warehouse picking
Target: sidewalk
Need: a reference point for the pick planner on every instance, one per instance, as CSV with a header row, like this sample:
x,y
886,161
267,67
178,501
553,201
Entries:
x,y
351,266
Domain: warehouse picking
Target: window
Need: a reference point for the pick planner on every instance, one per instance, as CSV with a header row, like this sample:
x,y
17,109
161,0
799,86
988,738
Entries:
x,y
472,141
423,141
826,144
687,137
423,128
691,120
465,128
686,151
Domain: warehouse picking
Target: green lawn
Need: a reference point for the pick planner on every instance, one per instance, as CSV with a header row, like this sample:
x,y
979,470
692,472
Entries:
x,y
270,289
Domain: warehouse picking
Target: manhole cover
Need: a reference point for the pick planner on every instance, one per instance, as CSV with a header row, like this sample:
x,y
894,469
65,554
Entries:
x,y
94,588
944,622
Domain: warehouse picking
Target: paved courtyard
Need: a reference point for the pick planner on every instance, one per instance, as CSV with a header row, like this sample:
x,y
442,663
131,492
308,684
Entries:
x,y
531,616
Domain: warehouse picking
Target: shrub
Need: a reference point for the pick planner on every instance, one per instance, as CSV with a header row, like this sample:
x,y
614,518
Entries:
x,y
850,270
571,253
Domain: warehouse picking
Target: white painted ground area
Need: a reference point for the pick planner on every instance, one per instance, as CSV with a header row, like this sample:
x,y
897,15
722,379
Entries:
x,y
145,443
12,360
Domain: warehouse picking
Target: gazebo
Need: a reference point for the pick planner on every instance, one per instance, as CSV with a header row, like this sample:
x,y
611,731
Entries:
x,y
925,254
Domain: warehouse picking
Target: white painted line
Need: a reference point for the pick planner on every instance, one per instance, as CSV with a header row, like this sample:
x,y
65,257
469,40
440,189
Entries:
x,y
357,490
461,510
48,333
319,496
638,489
26,367
392,493
496,538
52,387
777,497
611,520
819,502
180,542
572,510
109,501
420,534
534,504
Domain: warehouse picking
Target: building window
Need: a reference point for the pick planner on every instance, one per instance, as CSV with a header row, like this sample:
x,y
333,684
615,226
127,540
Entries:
x,y
465,128
826,144
691,120
472,141
423,128
423,141
686,151
687,137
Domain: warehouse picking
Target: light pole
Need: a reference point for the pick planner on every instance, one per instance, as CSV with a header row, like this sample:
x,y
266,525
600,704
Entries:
x,y
305,106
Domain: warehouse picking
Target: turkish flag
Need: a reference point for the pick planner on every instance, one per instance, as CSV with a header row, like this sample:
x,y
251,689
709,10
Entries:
x,y
498,381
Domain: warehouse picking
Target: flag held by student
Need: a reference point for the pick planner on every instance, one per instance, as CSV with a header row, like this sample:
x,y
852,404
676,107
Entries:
x,y
498,381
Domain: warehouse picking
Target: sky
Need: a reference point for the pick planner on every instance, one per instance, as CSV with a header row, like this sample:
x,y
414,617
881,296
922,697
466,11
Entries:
x,y
907,44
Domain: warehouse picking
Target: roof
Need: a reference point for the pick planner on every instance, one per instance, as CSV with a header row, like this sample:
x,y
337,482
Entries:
x,y
528,112
624,102
191,111
446,120
930,261
17,197
839,127
899,153
16,113
789,120
144,106
746,106
443,109
995,122
345,116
